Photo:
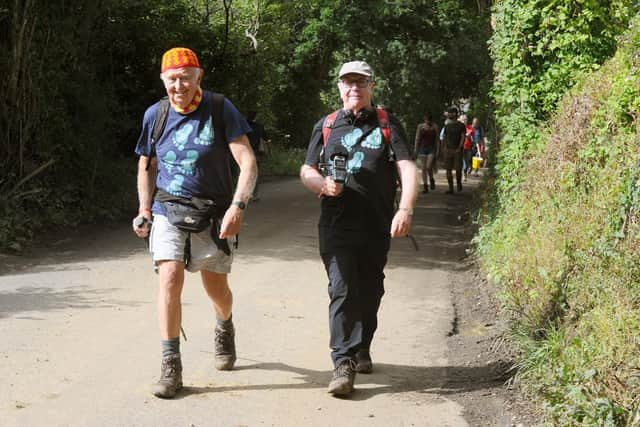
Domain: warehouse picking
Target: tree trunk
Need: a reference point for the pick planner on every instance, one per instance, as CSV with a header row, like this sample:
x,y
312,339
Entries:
x,y
19,80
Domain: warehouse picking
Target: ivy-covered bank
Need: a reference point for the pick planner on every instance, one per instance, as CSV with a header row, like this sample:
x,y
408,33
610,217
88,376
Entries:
x,y
561,226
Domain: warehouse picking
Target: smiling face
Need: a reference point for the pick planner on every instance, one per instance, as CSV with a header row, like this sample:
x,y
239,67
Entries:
x,y
181,84
355,91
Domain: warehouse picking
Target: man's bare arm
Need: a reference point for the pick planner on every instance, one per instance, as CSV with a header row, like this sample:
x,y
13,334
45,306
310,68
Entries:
x,y
316,183
409,180
243,155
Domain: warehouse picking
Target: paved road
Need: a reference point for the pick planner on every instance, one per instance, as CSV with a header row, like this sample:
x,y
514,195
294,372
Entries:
x,y
79,343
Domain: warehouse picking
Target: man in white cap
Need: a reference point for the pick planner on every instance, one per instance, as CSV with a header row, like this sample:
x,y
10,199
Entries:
x,y
366,154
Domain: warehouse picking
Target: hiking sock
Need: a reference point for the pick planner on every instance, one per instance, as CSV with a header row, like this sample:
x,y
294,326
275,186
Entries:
x,y
225,324
170,346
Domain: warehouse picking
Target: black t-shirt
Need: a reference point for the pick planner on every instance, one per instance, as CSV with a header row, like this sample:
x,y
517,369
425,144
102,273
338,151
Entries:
x,y
256,134
366,203
453,133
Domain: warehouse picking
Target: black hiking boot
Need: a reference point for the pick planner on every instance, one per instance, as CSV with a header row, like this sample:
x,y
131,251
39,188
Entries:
x,y
343,377
225,347
433,184
450,182
459,187
425,190
363,361
170,377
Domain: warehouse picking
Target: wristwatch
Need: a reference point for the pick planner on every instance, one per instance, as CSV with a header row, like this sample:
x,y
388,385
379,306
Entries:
x,y
409,210
239,203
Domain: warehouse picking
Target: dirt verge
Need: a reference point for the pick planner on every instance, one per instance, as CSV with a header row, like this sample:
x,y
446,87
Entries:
x,y
480,339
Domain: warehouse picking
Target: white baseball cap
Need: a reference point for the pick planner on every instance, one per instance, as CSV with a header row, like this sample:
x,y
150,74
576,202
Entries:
x,y
355,67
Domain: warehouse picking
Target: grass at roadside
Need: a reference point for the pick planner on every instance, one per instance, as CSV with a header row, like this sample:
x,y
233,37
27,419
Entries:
x,y
111,196
283,161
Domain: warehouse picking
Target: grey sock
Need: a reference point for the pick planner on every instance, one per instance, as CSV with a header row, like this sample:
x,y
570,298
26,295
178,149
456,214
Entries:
x,y
170,346
224,323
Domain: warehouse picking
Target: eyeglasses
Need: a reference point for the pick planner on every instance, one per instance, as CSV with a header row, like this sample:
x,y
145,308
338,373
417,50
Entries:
x,y
360,83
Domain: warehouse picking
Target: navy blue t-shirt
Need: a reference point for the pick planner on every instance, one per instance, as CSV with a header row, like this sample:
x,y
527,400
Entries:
x,y
192,161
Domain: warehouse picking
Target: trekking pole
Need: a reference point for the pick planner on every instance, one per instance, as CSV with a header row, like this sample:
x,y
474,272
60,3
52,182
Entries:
x,y
413,240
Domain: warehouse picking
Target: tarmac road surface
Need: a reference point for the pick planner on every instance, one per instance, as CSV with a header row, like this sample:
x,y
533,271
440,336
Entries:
x,y
79,341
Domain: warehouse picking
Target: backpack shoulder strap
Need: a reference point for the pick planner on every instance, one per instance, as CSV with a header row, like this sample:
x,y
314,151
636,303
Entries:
x,y
158,126
161,120
327,125
218,116
383,120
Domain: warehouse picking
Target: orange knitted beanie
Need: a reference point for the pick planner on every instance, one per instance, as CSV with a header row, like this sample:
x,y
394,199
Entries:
x,y
179,57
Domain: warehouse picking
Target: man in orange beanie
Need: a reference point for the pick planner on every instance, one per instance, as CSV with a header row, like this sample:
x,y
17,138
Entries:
x,y
195,209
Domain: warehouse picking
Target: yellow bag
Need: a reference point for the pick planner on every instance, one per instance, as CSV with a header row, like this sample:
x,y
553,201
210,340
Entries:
x,y
476,162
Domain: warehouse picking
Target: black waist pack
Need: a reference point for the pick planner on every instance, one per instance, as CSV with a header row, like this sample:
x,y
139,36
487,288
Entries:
x,y
194,215
188,217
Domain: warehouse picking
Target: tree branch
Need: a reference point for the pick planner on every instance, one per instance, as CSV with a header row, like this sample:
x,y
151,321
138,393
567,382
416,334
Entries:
x,y
31,175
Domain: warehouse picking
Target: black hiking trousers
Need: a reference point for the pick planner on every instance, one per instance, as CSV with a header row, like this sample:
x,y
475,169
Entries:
x,y
356,286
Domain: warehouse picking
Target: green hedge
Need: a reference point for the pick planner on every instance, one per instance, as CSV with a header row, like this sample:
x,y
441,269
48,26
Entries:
x,y
564,245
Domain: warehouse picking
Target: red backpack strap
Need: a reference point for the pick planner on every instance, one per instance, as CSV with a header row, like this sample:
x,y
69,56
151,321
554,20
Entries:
x,y
327,125
383,120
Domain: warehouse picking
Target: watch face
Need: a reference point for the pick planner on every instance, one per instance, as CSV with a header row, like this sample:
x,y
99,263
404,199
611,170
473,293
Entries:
x,y
240,204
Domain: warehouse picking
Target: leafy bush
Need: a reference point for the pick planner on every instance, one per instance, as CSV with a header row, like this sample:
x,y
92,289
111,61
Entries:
x,y
564,246
283,161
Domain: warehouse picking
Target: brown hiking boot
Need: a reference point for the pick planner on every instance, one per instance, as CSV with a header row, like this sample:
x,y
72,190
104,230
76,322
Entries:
x,y
225,347
343,377
170,377
363,361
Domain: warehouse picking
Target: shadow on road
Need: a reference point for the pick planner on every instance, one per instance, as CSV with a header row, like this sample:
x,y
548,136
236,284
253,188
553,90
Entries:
x,y
386,379
55,251
39,299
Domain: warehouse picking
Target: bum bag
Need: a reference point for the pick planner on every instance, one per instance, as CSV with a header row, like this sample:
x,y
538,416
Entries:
x,y
194,215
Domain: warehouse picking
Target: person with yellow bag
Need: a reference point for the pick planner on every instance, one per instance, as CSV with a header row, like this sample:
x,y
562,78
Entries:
x,y
479,156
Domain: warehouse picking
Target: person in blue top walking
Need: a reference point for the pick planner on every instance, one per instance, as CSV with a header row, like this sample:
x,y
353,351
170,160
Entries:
x,y
190,162
479,141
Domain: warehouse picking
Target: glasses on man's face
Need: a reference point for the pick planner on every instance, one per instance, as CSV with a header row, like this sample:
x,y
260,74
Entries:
x,y
360,83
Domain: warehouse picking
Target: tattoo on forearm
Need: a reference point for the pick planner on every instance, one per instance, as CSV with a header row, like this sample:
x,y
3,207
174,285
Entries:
x,y
246,184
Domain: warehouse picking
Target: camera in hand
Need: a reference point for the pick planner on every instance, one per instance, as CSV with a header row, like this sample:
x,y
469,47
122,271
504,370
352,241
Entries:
x,y
339,166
